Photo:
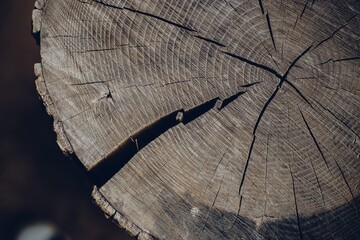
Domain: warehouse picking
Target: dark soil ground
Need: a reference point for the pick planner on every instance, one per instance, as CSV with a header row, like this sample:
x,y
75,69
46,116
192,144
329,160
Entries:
x,y
37,182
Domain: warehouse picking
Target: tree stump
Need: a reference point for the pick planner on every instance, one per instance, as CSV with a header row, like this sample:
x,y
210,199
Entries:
x,y
215,119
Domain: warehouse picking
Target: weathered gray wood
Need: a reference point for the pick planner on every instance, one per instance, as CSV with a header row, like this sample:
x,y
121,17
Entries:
x,y
241,118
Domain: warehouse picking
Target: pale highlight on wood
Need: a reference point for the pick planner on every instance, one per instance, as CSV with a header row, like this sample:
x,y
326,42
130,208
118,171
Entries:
x,y
216,119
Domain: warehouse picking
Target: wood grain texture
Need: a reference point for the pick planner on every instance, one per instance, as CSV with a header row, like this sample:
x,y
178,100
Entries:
x,y
216,119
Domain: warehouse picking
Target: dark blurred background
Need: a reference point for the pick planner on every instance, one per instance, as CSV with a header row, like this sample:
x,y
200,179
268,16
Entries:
x,y
37,182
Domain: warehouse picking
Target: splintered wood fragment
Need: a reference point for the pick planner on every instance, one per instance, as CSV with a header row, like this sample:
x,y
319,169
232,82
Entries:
x,y
209,119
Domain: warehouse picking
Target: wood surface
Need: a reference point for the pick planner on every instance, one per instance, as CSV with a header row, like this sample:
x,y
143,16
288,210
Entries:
x,y
214,119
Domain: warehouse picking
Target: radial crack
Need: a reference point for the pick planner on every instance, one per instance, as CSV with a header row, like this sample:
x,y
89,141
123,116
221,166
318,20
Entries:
x,y
218,164
229,100
303,11
261,7
322,195
87,83
101,49
111,164
295,61
314,140
297,18
199,110
267,50
212,205
247,164
161,19
282,79
296,205
348,186
346,59
217,194
265,107
107,5
258,65
330,60
270,30
106,168
338,119
298,92
319,186
265,178
333,34
210,41
250,84
237,214
146,14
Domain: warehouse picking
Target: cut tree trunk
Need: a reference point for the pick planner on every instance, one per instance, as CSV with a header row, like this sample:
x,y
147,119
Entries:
x,y
216,119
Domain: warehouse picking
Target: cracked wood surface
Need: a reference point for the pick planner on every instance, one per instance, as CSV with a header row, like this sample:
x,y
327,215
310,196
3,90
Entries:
x,y
215,119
